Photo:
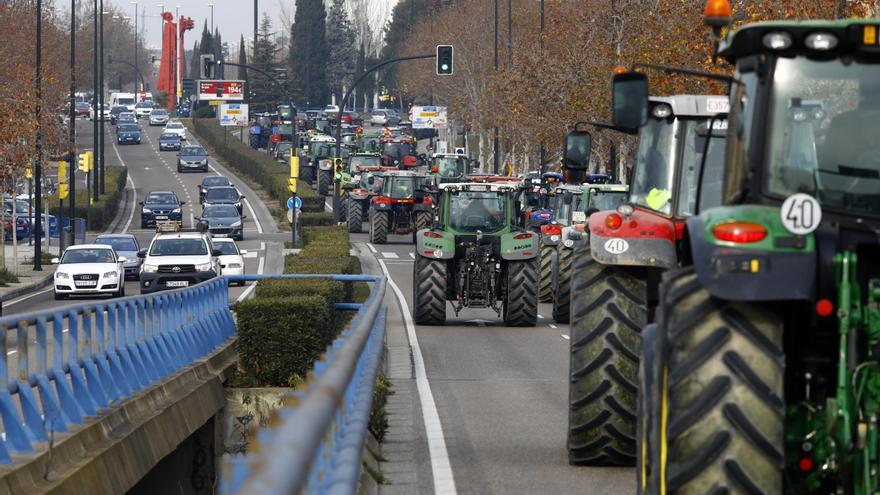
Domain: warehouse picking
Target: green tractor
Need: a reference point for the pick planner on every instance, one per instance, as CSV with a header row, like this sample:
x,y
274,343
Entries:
x,y
476,256
320,148
761,374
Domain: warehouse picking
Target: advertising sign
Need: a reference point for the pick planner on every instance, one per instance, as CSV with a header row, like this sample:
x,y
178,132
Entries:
x,y
229,90
428,117
235,114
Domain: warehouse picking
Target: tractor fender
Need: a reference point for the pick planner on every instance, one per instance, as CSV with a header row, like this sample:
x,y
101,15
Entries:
x,y
435,244
643,239
325,165
551,234
782,266
358,194
380,205
423,207
518,245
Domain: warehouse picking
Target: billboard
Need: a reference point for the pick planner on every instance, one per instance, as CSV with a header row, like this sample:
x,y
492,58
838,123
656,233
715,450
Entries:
x,y
230,90
428,117
235,114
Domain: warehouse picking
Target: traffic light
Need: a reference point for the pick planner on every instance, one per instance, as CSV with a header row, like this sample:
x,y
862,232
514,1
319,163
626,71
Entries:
x,y
337,168
207,66
444,60
85,161
219,90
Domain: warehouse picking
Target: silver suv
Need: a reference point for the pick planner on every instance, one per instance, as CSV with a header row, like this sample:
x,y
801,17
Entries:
x,y
178,260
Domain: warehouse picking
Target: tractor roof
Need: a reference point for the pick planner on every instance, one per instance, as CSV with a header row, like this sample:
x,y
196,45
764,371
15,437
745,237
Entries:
x,y
622,188
487,187
691,105
572,188
850,34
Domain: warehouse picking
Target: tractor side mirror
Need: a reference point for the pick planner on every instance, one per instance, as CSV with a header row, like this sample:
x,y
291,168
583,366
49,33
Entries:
x,y
629,96
578,145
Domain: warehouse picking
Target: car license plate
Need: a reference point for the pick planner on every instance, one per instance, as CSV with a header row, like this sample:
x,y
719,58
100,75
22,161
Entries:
x,y
161,217
86,283
177,283
219,235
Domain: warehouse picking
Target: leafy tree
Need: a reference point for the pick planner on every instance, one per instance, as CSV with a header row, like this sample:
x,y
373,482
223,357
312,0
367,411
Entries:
x,y
406,16
307,57
341,58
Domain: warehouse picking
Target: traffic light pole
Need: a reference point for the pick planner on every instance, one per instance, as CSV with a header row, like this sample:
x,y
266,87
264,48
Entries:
x,y
344,103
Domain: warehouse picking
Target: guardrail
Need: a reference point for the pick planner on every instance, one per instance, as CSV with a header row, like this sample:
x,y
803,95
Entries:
x,y
317,446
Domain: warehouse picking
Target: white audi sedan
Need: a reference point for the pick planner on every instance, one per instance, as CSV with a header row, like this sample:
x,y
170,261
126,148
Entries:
x,y
231,258
89,269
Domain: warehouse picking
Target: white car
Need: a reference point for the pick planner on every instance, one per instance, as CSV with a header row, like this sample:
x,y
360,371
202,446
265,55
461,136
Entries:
x,y
159,116
89,269
143,109
175,128
104,113
181,259
231,258
331,109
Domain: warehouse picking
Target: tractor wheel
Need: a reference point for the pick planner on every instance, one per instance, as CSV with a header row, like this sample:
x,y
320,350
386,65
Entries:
x,y
305,174
343,207
725,371
355,216
648,414
323,182
429,291
520,308
422,220
608,311
378,227
545,289
562,284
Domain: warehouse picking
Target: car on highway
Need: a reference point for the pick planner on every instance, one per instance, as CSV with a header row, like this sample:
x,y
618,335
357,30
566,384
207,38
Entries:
x,y
222,220
104,114
175,128
159,206
126,246
384,117
158,116
169,142
128,134
281,152
89,269
115,111
231,258
224,195
329,109
192,157
82,109
143,109
212,181
125,118
351,119
177,260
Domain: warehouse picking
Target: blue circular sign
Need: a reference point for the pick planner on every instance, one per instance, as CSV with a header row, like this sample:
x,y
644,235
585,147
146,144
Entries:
x,y
294,202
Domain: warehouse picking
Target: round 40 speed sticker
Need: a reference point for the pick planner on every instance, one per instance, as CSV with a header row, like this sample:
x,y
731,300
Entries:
x,y
616,246
801,214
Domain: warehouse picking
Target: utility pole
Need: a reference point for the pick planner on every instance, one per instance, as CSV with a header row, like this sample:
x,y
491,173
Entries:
x,y
38,161
541,166
495,140
101,93
135,46
99,111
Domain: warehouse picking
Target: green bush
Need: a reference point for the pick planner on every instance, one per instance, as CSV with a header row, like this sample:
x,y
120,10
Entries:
x,y
103,211
313,218
279,338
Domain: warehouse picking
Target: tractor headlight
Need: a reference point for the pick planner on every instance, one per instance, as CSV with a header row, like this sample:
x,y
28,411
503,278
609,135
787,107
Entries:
x,y
568,243
554,238
625,209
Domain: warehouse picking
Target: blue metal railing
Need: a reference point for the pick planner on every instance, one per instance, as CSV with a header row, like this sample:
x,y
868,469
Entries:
x,y
317,446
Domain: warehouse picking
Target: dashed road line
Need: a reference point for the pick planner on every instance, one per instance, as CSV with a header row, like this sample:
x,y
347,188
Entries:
x,y
389,255
565,336
372,248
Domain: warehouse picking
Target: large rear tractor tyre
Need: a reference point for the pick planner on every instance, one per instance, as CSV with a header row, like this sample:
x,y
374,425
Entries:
x,y
608,311
429,291
355,216
724,392
545,288
324,182
343,208
520,306
378,227
422,220
562,284
305,174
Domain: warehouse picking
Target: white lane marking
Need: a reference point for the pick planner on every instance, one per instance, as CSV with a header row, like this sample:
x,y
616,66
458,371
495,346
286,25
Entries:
x,y
566,337
328,206
444,482
254,216
540,316
247,292
192,218
134,204
250,254
372,248
262,246
412,255
553,326
390,255
25,298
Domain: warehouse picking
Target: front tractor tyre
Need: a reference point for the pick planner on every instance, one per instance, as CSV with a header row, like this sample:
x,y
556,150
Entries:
x,y
324,182
545,288
429,291
355,216
562,284
378,227
520,306
724,392
608,312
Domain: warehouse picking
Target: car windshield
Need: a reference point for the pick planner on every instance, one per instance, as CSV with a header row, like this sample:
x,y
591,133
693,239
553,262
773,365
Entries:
x,y
471,211
220,212
125,101
696,133
174,125
822,138
179,247
652,184
117,110
449,166
144,104
221,193
193,151
128,128
88,255
158,113
226,248
605,200
215,181
169,137
161,198
118,243
21,207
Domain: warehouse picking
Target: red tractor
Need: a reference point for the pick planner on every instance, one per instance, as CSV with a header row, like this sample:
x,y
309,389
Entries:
x,y
402,207
357,191
399,150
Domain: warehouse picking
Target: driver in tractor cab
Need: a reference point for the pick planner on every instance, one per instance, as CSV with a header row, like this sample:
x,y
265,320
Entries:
x,y
657,168
401,189
851,146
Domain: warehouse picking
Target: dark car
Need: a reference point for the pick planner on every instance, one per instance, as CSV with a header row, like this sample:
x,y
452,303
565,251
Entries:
x,y
222,221
128,134
212,181
160,205
169,142
223,196
126,246
192,158
114,113
82,109
282,151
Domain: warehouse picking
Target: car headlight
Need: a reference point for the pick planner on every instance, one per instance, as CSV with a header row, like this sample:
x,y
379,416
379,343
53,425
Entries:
x,y
238,204
110,275
204,267
236,224
205,161
146,211
60,275
234,265
176,210
148,268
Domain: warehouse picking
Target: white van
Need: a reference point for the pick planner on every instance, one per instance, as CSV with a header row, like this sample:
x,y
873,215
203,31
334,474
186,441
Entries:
x,y
126,100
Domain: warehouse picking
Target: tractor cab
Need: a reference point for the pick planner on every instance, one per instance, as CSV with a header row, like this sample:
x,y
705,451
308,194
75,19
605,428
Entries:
x,y
401,207
536,200
449,167
399,150
359,160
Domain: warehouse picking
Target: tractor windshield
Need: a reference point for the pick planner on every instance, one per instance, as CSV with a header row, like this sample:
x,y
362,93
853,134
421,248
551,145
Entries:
x,y
472,211
605,200
400,187
822,136
696,133
450,166
397,151
364,161
563,211
652,184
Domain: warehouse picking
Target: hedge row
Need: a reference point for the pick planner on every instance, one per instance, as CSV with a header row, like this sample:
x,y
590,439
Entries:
x,y
256,165
103,211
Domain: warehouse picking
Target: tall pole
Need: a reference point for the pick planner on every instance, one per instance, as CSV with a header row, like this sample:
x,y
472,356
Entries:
x,y
495,140
101,93
212,18
95,90
541,167
178,63
38,161
135,46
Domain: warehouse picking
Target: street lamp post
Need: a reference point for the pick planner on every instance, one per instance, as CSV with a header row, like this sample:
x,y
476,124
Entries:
x,y
179,61
495,139
134,2
101,93
99,111
541,167
38,147
212,18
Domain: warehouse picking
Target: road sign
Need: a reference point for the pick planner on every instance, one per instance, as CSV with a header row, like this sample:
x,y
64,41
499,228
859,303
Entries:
x,y
233,114
229,90
290,215
294,202
291,184
428,117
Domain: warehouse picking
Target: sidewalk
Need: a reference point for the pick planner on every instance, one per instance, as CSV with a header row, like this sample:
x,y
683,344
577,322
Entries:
x,y
23,267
